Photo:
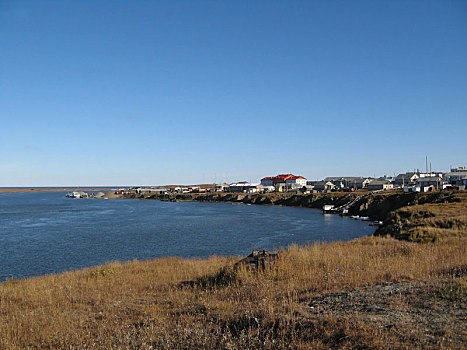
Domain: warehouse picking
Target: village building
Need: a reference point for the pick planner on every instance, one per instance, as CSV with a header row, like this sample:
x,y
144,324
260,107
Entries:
x,y
267,181
324,186
311,184
243,187
348,182
409,178
280,187
266,189
220,187
448,186
178,189
359,183
376,185
406,179
151,190
283,178
429,183
131,190
258,188
412,188
296,182
457,176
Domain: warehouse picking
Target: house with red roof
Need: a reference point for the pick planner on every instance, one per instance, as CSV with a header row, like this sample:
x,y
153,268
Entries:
x,y
296,181
288,180
267,181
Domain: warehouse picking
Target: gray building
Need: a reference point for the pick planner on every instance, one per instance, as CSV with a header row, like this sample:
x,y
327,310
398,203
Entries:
x,y
435,181
324,186
380,185
357,182
242,186
406,179
457,176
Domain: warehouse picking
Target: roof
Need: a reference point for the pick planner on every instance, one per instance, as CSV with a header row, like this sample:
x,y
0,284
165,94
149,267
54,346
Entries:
x,y
267,178
456,173
243,184
282,177
378,182
429,178
296,178
324,183
406,175
344,178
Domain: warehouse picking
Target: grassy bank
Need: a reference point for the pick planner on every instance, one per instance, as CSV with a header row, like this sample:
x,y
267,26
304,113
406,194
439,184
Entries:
x,y
369,293
429,218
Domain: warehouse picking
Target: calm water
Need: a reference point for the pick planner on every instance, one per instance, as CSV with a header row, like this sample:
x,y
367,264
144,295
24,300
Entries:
x,y
43,233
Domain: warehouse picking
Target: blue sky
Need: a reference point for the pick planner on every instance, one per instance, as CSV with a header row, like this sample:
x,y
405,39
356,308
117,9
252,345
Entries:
x,y
159,92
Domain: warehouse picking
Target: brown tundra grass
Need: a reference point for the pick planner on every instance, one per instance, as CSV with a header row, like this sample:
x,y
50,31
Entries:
x,y
179,303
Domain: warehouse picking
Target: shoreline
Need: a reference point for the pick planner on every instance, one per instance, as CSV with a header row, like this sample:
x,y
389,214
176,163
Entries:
x,y
51,189
418,217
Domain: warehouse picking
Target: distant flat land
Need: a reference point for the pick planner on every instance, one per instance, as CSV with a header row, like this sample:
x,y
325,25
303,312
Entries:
x,y
42,189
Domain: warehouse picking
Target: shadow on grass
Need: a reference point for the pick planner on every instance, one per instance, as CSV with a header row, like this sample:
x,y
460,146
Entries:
x,y
455,272
225,277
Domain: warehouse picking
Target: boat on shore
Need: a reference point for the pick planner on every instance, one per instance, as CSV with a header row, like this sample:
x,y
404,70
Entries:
x,y
77,194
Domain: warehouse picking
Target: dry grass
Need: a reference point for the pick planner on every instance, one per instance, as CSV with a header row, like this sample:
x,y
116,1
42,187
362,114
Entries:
x,y
427,221
149,304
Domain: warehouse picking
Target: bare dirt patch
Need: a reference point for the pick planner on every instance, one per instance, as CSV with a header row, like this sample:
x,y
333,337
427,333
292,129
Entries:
x,y
425,314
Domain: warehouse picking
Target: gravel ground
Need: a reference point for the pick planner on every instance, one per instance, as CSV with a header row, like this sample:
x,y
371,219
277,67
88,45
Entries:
x,y
427,314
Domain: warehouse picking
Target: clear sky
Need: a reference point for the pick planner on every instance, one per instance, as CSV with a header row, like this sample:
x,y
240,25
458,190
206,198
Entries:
x,y
165,92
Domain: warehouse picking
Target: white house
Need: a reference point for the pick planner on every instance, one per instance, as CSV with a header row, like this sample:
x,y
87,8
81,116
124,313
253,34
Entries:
x,y
296,181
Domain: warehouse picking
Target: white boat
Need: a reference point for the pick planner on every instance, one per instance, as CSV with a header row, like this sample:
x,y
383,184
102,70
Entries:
x,y
74,194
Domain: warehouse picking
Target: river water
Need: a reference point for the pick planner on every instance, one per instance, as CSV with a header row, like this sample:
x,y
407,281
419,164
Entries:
x,y
45,232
